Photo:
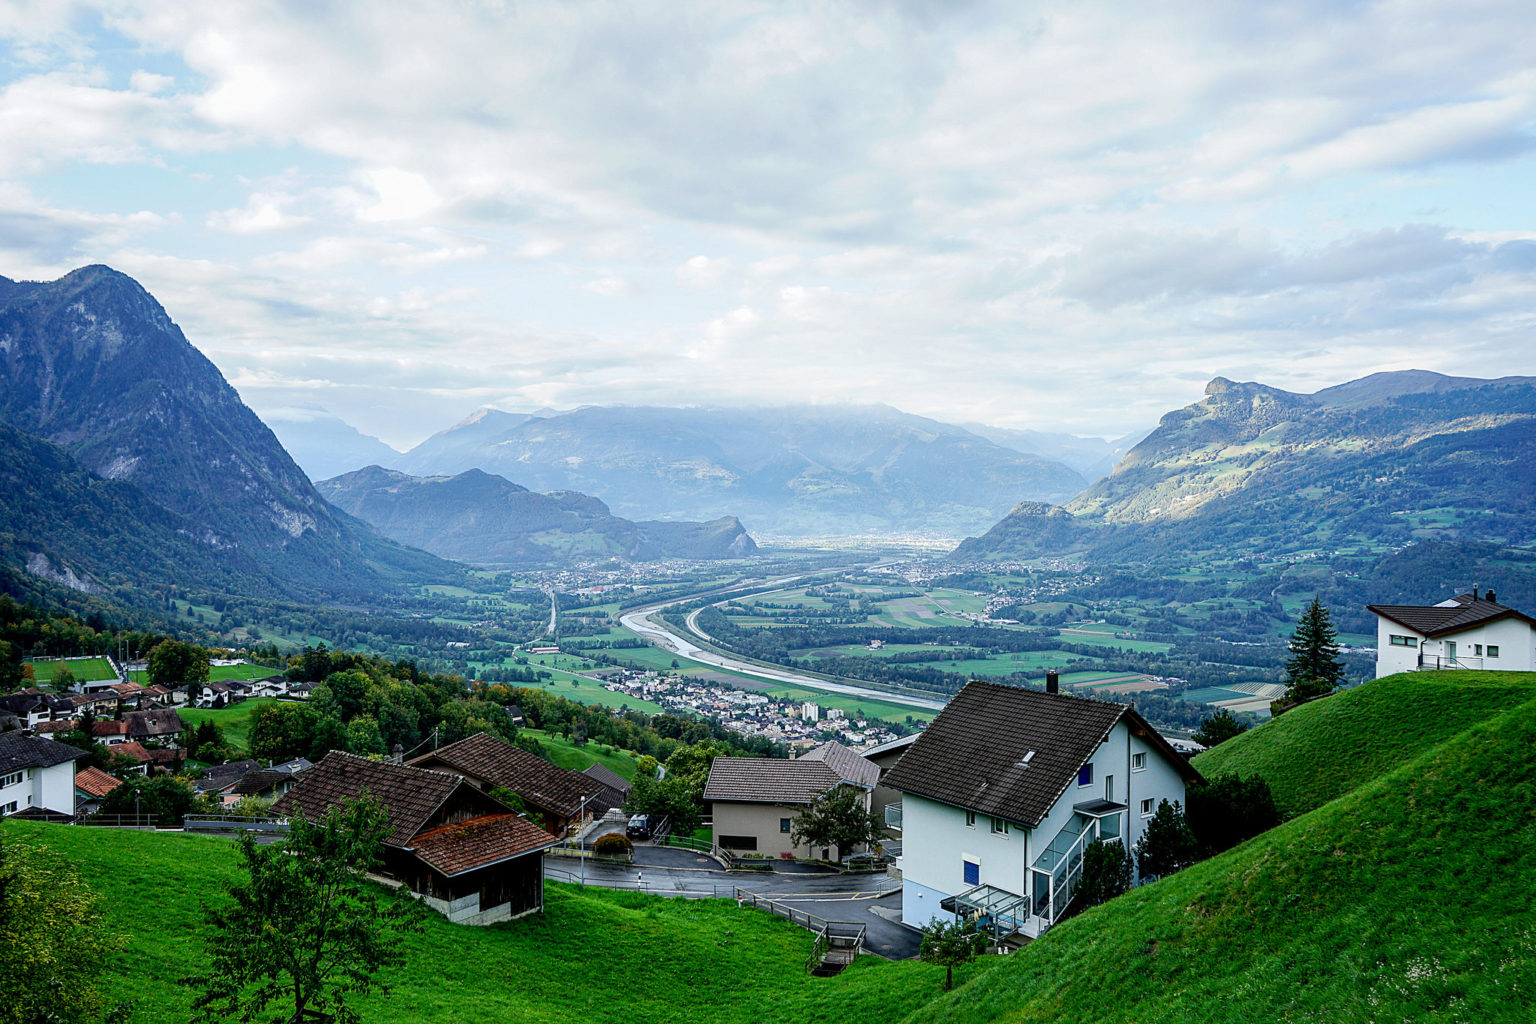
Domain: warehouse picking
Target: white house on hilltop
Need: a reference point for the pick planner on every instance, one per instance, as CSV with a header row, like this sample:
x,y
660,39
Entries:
x,y
1004,790
1464,632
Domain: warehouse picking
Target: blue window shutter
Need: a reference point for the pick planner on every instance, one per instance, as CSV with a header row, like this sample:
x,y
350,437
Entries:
x,y
972,873
1085,775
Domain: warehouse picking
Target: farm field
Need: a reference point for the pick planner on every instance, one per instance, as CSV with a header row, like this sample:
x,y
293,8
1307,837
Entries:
x,y
580,688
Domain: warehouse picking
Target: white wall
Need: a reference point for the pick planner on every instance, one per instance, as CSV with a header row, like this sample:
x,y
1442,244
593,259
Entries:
x,y
1515,640
53,788
936,840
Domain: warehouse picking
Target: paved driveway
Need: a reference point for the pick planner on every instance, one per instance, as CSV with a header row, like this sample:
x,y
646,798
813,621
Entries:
x,y
873,900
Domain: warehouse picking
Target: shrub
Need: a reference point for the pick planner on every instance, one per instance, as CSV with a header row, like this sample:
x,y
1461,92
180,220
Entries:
x,y
1228,810
1106,872
613,845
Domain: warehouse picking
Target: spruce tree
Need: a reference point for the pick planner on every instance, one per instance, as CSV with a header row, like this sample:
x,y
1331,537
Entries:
x,y
1314,652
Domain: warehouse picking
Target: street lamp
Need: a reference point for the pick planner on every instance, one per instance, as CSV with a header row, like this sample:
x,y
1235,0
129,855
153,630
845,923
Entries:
x,y
581,846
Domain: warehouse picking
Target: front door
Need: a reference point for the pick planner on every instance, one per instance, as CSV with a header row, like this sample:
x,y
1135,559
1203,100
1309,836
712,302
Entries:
x,y
1450,653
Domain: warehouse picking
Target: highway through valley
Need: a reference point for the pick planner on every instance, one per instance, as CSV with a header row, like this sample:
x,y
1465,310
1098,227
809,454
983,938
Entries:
x,y
639,622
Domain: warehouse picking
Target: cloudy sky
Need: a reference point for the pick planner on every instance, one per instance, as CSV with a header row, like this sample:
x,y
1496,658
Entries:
x,y
1052,215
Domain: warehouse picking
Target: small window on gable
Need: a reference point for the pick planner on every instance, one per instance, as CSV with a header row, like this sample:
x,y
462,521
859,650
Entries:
x,y
1138,762
1493,650
970,819
999,827
1146,808
1404,641
1085,775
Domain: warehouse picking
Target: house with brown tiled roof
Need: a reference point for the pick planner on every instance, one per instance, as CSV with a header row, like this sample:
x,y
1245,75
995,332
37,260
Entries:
x,y
464,852
109,733
561,796
91,787
161,725
1004,790
754,800
1467,631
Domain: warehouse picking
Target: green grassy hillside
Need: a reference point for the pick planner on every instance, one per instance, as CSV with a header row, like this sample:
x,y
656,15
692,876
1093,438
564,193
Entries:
x,y
593,956
1324,749
1409,899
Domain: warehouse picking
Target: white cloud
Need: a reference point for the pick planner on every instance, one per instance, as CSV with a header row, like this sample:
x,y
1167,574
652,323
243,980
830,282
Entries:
x,y
1060,213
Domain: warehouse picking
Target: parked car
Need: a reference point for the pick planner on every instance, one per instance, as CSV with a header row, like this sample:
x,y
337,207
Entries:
x,y
639,826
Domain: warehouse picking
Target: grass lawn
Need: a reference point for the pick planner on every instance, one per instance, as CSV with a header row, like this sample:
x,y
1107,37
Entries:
x,y
593,956
1338,915
566,754
85,669
1324,749
235,721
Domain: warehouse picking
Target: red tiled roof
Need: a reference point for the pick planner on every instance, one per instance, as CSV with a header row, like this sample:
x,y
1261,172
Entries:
x,y
95,782
478,842
109,728
134,749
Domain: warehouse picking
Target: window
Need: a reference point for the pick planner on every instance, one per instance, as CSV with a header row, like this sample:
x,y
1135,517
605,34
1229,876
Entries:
x,y
1138,762
1085,775
1146,808
1404,641
739,842
1493,650
9,808
13,779
999,827
783,824
972,871
970,819
1477,649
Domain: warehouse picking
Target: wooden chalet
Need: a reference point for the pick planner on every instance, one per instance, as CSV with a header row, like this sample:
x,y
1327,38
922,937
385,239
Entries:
x,y
562,796
462,851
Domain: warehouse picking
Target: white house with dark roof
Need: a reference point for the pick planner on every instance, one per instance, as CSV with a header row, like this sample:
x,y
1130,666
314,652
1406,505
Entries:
x,y
1464,632
1004,790
36,773
755,799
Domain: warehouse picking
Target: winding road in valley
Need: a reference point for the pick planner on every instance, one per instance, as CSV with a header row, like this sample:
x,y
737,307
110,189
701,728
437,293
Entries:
x,y
639,622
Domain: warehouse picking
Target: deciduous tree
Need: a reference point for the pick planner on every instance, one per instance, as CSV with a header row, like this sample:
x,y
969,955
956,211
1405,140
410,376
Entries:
x,y
54,939
837,818
306,929
950,945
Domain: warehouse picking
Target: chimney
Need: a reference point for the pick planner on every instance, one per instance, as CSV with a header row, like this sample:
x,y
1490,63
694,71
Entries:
x,y
399,753
1474,591
1052,682
1491,598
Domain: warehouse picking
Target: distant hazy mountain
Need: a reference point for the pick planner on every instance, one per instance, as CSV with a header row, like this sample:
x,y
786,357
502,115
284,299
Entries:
x,y
1093,457
325,445
92,363
804,470
1377,462
481,518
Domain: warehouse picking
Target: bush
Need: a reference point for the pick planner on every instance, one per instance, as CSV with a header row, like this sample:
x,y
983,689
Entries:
x,y
1228,810
1106,872
613,845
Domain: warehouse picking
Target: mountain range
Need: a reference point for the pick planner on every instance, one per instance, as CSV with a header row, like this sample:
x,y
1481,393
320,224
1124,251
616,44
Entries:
x,y
786,471
92,365
488,520
1376,463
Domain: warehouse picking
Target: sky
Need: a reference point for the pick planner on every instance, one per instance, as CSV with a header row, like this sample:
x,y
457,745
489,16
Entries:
x,y
1047,215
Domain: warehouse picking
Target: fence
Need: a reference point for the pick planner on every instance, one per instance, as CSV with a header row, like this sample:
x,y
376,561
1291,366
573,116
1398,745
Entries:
x,y
232,823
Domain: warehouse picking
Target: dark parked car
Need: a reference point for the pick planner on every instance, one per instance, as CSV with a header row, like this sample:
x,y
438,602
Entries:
x,y
639,827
